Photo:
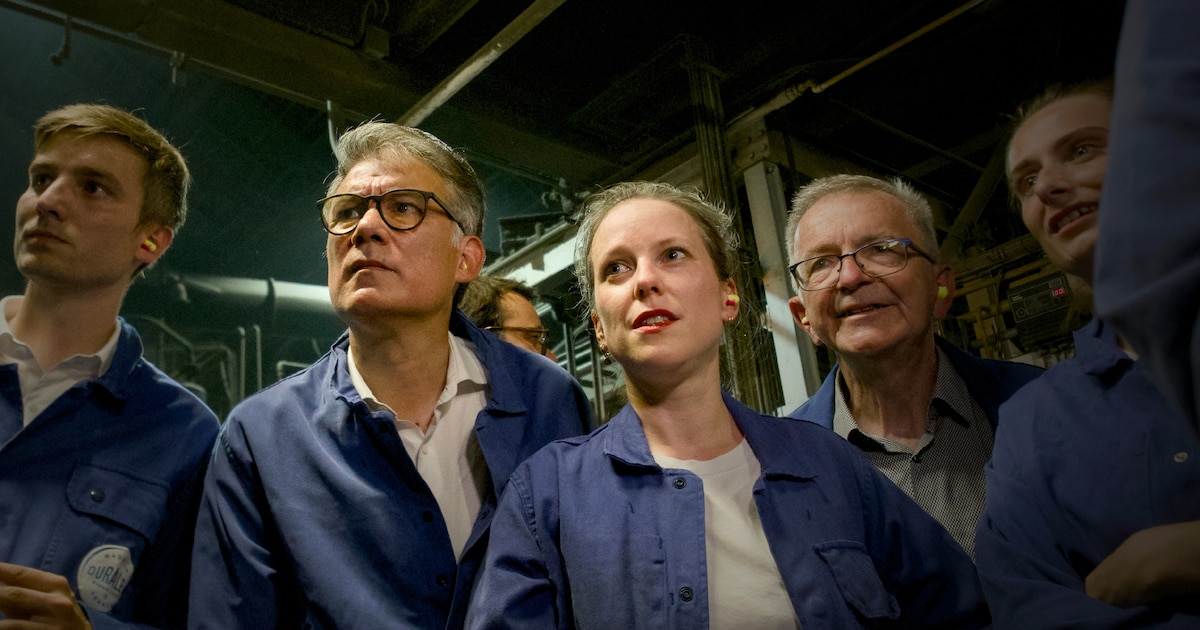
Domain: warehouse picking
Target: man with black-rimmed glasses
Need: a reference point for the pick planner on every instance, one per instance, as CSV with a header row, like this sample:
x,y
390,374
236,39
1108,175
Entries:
x,y
358,492
870,285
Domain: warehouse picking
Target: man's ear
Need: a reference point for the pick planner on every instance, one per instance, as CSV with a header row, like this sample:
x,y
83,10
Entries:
x,y
471,255
799,313
942,303
154,244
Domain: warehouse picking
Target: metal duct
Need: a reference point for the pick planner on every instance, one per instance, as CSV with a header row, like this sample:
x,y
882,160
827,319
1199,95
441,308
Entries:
x,y
491,51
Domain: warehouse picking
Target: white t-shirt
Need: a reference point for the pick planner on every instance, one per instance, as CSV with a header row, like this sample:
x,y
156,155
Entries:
x,y
745,589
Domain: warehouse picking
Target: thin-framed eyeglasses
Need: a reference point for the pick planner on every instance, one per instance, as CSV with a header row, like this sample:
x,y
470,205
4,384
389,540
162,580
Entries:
x,y
878,259
535,337
401,209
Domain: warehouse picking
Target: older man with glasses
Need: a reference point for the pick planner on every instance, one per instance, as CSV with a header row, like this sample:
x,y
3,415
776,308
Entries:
x,y
358,493
865,262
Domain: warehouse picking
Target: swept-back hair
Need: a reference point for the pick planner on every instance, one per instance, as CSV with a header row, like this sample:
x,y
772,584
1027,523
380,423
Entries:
x,y
716,227
397,143
915,205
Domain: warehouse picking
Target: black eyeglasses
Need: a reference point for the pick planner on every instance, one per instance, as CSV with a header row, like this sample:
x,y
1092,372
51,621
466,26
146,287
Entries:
x,y
401,209
535,337
878,259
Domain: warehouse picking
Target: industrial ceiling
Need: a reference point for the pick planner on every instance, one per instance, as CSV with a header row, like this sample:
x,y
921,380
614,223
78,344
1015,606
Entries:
x,y
575,93
549,98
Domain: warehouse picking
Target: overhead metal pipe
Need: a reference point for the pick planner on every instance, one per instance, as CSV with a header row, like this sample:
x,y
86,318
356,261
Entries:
x,y
817,89
176,58
444,91
794,92
981,194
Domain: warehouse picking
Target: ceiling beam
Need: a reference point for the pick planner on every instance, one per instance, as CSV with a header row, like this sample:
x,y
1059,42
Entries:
x,y
220,39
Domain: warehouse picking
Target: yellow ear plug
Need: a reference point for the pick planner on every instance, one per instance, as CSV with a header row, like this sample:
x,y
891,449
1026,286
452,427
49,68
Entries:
x,y
804,320
942,292
732,299
149,246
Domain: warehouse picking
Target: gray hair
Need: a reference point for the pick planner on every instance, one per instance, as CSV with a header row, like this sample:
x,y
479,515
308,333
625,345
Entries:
x,y
716,227
915,206
392,142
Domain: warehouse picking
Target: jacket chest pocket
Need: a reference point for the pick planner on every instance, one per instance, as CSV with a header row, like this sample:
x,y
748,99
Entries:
x,y
857,580
113,495
113,518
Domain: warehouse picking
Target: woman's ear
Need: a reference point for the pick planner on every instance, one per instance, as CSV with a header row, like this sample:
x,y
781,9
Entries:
x,y
732,306
599,330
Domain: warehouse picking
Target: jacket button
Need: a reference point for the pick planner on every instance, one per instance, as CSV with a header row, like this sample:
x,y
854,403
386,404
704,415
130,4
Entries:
x,y
443,579
680,483
97,495
686,594
427,516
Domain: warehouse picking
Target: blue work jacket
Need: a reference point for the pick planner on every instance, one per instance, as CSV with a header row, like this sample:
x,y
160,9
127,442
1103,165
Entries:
x,y
990,382
110,471
1147,274
315,516
1084,457
592,533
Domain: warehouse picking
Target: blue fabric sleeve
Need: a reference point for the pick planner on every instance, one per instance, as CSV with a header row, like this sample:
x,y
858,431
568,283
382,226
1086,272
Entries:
x,y
233,579
1028,577
516,588
1147,268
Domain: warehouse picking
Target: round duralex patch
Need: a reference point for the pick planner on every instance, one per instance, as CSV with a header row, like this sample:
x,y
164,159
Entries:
x,y
102,576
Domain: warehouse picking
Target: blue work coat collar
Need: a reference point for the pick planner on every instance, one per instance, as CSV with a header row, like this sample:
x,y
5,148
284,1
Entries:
x,y
624,440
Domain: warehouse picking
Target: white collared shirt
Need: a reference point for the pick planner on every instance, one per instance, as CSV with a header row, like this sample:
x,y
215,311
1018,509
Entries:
x,y
39,387
447,455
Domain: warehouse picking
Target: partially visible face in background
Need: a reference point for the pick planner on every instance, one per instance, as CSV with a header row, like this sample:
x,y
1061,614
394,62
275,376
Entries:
x,y
518,312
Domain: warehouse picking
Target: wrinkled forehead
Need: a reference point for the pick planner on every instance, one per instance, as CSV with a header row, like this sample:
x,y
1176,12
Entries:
x,y
853,218
379,173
